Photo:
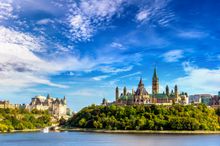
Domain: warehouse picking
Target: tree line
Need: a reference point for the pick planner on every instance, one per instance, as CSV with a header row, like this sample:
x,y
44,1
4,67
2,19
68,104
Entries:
x,y
146,117
20,119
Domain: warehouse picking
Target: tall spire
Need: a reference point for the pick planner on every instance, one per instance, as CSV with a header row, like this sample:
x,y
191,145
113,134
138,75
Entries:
x,y
125,91
155,82
155,73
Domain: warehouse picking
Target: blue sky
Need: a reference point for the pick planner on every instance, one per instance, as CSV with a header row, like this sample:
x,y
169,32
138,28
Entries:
x,y
84,49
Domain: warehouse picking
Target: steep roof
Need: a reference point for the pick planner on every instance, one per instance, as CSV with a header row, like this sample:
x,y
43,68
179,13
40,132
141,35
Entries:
x,y
141,90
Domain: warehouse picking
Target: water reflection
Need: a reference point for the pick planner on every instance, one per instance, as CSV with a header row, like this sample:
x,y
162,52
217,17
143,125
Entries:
x,y
98,139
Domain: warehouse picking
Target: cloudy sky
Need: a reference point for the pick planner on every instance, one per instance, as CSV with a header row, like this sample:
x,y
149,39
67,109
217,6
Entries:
x,y
83,49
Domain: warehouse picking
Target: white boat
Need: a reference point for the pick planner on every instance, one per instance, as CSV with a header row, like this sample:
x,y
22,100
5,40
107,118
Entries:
x,y
45,130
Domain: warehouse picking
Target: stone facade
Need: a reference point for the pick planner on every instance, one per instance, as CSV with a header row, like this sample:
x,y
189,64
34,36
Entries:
x,y
155,83
6,104
141,96
55,106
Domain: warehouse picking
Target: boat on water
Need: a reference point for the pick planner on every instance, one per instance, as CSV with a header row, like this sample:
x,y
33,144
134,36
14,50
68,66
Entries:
x,y
45,130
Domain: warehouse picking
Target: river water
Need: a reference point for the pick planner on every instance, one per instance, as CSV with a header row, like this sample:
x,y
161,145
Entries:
x,y
100,139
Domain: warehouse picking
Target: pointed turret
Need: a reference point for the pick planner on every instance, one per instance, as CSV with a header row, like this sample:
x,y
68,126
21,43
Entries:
x,y
48,96
141,82
116,93
176,91
125,91
167,91
64,99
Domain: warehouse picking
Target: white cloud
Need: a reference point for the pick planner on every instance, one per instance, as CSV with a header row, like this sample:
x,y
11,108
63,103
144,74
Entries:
x,y
80,27
155,11
192,34
6,9
173,55
109,69
19,66
117,46
98,78
44,21
142,15
131,75
199,80
86,16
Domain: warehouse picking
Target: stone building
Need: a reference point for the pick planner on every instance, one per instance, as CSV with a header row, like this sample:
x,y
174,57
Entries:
x,y
6,104
201,98
141,96
55,106
215,100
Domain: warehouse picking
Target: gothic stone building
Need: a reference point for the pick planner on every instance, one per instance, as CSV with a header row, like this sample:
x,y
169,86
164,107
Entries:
x,y
141,96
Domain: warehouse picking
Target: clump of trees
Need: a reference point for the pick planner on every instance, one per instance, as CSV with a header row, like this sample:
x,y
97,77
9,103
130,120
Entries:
x,y
146,117
20,119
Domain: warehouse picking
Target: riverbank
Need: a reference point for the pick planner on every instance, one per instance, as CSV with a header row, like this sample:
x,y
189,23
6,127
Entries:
x,y
22,131
197,132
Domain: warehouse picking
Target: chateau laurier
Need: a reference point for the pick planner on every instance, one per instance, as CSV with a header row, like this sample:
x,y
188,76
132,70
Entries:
x,y
141,96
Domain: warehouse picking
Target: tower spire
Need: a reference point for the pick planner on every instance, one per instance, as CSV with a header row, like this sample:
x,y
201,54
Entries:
x,y
155,82
155,73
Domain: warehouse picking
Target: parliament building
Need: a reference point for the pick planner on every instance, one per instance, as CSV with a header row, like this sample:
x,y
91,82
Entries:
x,y
141,96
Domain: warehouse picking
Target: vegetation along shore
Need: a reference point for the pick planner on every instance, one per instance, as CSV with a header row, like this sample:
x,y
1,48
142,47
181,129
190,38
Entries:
x,y
146,117
17,120
181,132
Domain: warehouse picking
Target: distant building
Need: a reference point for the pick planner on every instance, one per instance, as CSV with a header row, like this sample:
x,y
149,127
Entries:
x,y
55,106
6,104
141,96
201,98
215,101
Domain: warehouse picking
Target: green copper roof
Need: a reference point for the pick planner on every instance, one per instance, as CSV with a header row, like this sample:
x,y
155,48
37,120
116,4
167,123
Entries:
x,y
159,95
126,97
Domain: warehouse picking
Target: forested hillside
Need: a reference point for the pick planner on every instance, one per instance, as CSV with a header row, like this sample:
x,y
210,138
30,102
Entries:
x,y
20,119
146,117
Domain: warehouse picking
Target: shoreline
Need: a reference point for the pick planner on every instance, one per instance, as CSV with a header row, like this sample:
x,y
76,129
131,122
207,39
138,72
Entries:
x,y
182,132
170,132
21,131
